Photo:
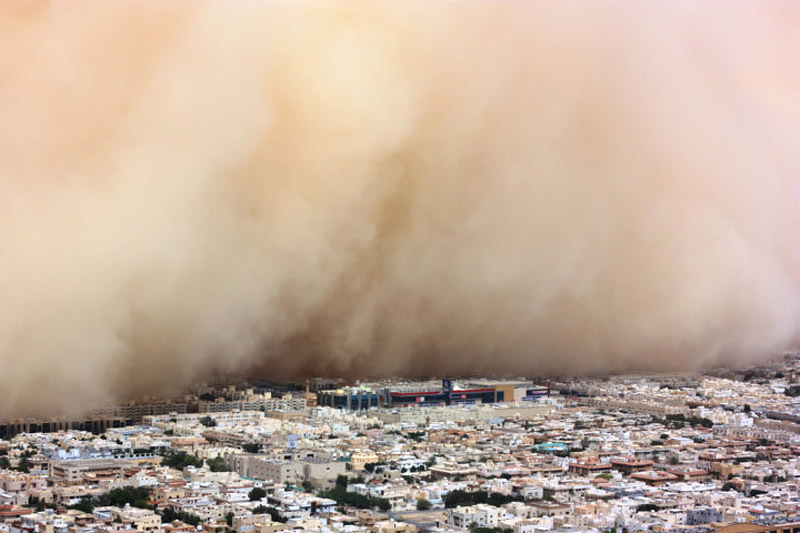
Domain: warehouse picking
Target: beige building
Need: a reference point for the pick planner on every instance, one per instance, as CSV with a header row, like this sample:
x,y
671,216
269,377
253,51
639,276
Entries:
x,y
481,514
140,519
322,473
390,526
266,468
319,470
360,458
73,472
11,481
250,523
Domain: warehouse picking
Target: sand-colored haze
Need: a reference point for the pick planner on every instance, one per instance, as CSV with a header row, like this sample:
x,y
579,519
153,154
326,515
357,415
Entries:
x,y
395,188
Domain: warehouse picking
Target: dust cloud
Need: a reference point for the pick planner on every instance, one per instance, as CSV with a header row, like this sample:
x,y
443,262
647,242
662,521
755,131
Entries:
x,y
377,189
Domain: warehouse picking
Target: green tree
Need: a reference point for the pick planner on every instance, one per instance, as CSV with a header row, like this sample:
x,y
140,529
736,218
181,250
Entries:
x,y
423,504
180,460
24,465
84,505
208,422
169,515
383,504
217,464
646,508
251,447
307,486
133,496
340,495
257,494
271,511
459,498
119,497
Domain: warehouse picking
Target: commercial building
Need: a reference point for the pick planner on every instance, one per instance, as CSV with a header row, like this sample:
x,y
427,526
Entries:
x,y
78,471
318,470
432,393
349,398
446,394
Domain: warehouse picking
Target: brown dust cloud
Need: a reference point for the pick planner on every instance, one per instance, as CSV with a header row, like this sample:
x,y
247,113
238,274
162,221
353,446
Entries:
x,y
398,188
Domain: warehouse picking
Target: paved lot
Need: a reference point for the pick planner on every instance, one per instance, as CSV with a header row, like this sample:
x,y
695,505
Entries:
x,y
422,519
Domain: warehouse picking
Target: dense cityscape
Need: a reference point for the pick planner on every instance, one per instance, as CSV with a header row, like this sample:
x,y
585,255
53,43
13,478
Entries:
x,y
398,267
691,452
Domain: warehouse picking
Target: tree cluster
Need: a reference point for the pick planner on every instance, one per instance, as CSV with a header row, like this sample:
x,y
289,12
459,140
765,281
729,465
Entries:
x,y
680,420
370,467
133,496
251,447
458,498
180,460
217,464
423,504
271,511
256,494
208,422
647,508
169,515
340,495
